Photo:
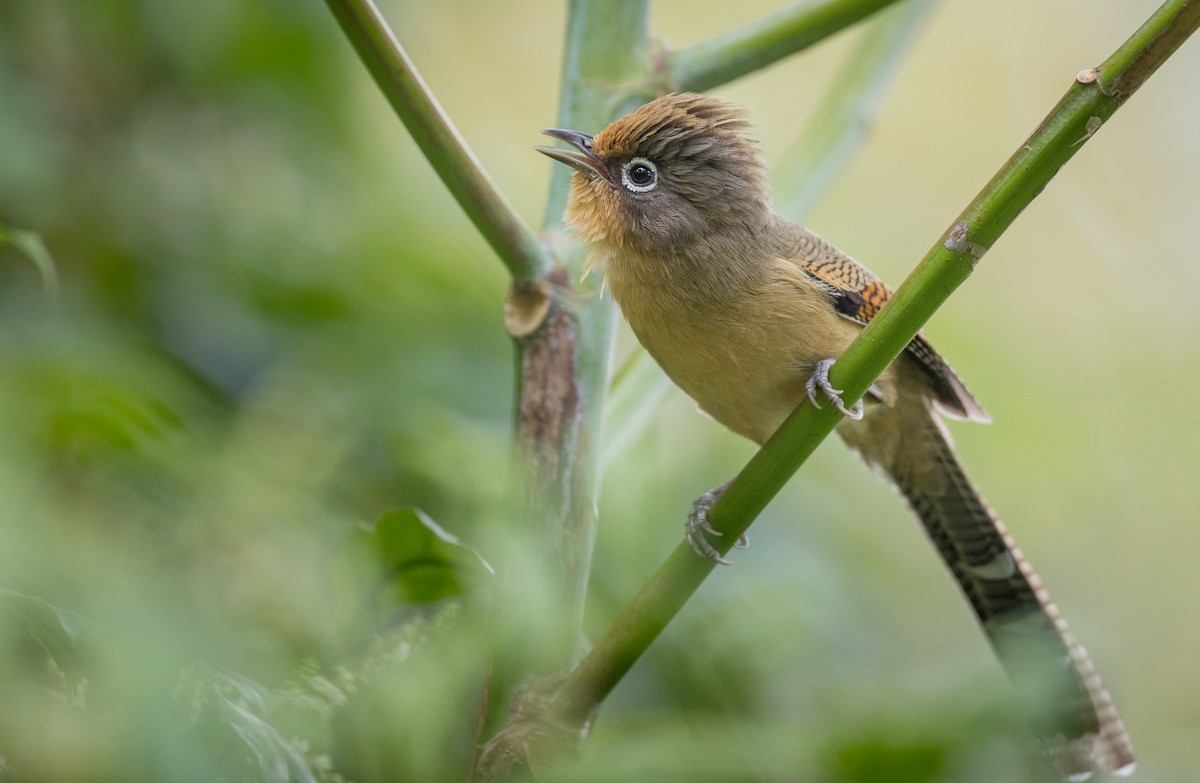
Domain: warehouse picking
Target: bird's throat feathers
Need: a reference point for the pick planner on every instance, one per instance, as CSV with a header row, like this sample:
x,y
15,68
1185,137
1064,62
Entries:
x,y
674,256
692,272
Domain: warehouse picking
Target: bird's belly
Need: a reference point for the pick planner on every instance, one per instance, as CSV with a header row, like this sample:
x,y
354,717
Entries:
x,y
743,352
743,381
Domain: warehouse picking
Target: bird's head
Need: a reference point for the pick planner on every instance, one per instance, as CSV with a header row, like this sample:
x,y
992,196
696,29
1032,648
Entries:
x,y
671,173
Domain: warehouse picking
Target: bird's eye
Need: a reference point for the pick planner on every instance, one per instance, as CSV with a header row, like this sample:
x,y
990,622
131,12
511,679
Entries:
x,y
639,175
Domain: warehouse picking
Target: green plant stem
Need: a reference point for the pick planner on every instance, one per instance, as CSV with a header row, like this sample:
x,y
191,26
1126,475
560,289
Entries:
x,y
562,379
844,117
606,44
761,43
438,139
593,68
1068,127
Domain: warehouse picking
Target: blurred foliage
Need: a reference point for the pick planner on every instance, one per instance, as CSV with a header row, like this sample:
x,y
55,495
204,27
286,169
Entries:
x,y
238,372
404,559
273,327
32,246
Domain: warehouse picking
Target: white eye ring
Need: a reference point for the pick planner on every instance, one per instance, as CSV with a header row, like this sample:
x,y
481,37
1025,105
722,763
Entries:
x,y
639,187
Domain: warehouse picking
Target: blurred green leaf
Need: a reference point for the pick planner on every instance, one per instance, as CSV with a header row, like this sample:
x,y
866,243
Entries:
x,y
93,415
428,563
406,559
879,759
59,631
30,244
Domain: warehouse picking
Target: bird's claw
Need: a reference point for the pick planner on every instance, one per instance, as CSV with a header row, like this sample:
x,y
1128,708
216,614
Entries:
x,y
698,527
820,380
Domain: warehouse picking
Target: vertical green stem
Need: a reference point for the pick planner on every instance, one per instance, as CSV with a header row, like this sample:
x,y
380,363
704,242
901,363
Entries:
x,y
562,379
606,44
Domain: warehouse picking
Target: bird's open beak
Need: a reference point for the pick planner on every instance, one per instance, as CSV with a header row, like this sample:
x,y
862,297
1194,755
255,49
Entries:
x,y
580,158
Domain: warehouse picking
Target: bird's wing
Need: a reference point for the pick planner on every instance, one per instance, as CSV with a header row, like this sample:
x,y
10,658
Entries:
x,y
857,295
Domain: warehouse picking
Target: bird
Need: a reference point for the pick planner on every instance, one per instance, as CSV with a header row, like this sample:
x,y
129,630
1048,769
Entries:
x,y
746,311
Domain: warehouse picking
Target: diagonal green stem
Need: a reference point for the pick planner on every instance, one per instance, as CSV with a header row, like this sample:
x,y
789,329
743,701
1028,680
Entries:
x,y
763,42
438,139
844,117
1090,101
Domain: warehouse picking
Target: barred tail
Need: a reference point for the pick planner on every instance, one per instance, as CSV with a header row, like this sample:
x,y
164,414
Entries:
x,y
1081,728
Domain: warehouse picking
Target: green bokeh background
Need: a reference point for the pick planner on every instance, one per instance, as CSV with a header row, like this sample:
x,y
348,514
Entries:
x,y
273,323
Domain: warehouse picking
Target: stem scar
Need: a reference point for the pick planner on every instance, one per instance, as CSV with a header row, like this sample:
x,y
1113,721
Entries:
x,y
957,242
1090,127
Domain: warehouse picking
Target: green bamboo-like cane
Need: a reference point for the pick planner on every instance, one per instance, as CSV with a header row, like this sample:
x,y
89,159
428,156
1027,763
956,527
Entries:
x,y
1091,100
438,139
845,115
765,41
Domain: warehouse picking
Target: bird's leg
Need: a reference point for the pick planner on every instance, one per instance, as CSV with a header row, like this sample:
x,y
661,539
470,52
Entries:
x,y
697,526
820,380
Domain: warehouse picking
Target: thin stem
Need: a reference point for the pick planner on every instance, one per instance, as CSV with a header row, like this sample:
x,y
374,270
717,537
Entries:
x,y
846,114
761,43
438,139
1087,104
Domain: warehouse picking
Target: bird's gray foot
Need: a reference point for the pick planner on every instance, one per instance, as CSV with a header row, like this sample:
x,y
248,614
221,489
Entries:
x,y
697,528
820,380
